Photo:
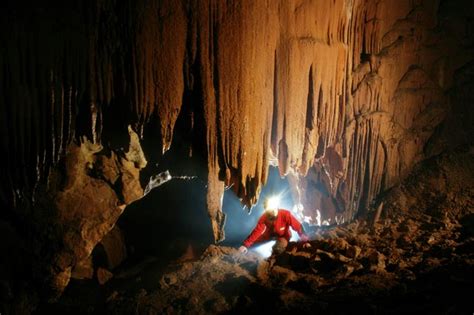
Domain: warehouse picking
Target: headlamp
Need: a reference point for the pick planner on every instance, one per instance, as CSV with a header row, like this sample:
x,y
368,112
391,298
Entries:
x,y
272,202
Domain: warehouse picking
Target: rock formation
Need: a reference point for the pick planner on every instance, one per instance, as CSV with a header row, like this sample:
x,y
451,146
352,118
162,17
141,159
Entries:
x,y
345,96
421,250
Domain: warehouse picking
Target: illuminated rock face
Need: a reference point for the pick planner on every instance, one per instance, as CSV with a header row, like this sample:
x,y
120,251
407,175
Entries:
x,y
345,95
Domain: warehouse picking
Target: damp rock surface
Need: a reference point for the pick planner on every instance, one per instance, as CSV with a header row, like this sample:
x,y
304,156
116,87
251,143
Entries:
x,y
345,96
348,94
385,276
410,260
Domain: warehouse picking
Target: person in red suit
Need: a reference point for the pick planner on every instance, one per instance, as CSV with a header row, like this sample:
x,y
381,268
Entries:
x,y
275,223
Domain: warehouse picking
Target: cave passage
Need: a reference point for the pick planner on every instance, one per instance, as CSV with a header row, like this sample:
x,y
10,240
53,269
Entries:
x,y
176,210
240,221
169,220
364,106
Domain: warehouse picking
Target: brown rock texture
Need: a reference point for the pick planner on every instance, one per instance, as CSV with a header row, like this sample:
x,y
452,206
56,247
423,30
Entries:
x,y
85,204
412,254
349,91
115,251
346,96
87,192
103,275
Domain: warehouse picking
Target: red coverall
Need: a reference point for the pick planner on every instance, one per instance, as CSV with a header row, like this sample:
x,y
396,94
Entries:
x,y
280,228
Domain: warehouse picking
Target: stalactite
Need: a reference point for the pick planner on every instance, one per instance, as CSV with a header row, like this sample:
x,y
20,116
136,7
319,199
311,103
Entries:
x,y
304,82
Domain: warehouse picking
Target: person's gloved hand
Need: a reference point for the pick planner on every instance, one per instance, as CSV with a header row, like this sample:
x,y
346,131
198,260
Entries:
x,y
243,249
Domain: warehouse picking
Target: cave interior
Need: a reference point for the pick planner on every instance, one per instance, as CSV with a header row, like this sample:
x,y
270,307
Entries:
x,y
139,140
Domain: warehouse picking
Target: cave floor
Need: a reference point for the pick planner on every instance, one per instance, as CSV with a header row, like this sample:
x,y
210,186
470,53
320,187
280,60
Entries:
x,y
409,263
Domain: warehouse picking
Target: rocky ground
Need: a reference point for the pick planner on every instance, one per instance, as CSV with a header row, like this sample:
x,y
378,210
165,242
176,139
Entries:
x,y
414,256
415,263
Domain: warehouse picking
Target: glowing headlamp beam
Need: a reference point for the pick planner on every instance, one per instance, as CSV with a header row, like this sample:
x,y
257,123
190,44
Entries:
x,y
273,202
264,249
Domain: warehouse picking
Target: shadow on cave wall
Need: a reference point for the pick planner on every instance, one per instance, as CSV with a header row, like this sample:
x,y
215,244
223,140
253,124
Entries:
x,y
167,221
172,218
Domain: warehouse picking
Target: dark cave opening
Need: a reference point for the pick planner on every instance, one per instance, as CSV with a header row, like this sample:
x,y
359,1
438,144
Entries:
x,y
167,221
173,217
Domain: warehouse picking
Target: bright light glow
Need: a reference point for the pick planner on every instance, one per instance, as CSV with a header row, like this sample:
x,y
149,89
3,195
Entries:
x,y
294,236
298,208
339,219
264,249
273,202
318,217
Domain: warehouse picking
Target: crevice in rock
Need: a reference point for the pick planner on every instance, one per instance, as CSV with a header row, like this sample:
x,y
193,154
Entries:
x,y
310,106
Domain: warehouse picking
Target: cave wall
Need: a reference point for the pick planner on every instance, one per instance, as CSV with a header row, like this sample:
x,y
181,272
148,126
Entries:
x,y
404,58
344,96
